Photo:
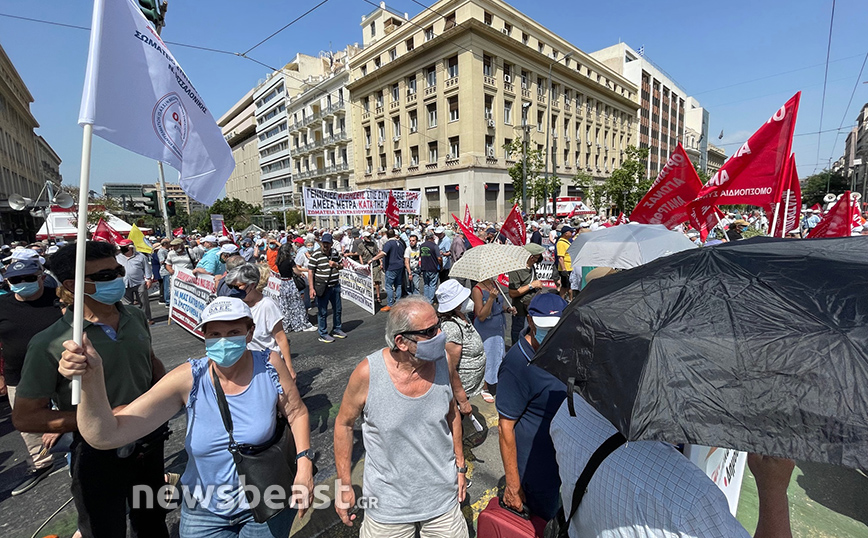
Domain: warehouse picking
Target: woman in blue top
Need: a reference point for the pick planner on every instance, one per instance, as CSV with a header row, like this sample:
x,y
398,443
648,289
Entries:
x,y
490,308
256,388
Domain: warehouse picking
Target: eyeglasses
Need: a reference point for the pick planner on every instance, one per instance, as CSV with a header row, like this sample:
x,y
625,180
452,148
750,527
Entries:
x,y
25,278
430,332
107,275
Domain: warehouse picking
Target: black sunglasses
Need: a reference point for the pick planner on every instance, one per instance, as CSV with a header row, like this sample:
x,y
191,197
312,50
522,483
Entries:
x,y
430,332
25,278
107,275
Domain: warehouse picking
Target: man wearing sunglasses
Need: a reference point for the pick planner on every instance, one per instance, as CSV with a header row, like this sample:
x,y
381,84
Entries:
x,y
102,480
414,462
138,278
29,309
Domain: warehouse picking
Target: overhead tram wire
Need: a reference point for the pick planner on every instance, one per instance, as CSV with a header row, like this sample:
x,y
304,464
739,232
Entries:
x,y
825,81
295,20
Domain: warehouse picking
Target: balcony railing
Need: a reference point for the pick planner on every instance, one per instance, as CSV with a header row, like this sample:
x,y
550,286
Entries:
x,y
334,107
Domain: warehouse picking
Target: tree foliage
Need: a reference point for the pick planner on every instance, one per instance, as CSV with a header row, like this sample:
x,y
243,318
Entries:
x,y
98,206
535,179
625,186
236,214
814,187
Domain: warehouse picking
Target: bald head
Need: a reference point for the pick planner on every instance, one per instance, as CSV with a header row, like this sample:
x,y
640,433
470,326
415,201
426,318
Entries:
x,y
409,314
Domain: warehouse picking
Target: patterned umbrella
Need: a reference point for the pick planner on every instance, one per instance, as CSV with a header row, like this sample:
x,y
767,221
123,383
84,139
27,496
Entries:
x,y
487,261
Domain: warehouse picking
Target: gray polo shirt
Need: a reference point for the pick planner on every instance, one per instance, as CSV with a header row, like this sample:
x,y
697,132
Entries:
x,y
138,269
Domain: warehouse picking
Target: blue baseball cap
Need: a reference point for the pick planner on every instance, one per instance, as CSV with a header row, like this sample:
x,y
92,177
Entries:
x,y
546,308
22,268
326,238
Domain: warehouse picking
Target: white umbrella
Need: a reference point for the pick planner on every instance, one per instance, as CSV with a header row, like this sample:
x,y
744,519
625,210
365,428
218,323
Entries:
x,y
487,261
626,246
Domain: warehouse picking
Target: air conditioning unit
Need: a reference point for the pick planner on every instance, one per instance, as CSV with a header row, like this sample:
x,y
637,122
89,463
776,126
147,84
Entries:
x,y
505,31
414,162
491,152
450,156
367,145
589,142
491,123
566,138
507,79
382,140
598,145
524,85
554,135
382,169
413,130
396,138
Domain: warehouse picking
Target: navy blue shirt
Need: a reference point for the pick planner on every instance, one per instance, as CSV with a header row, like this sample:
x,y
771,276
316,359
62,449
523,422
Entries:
x,y
394,250
530,396
429,253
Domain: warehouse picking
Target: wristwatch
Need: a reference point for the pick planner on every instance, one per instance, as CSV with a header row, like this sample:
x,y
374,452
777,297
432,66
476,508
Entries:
x,y
305,454
463,470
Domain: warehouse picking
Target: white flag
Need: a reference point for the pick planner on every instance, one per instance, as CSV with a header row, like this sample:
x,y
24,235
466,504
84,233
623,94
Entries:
x,y
138,97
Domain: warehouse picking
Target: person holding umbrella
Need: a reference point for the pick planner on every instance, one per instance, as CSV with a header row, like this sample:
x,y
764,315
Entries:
x,y
490,308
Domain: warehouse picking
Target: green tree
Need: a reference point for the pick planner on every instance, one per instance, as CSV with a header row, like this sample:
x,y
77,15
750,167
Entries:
x,y
236,214
534,174
703,175
814,187
593,195
98,206
627,184
293,217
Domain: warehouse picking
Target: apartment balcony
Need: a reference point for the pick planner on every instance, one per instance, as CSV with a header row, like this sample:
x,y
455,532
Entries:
x,y
310,118
295,126
452,82
525,93
430,90
411,97
334,108
335,138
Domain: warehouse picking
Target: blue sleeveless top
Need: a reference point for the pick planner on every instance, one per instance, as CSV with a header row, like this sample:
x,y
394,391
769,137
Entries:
x,y
210,476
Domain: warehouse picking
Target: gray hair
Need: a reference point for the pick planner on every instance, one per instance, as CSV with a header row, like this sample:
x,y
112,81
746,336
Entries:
x,y
246,273
401,317
234,261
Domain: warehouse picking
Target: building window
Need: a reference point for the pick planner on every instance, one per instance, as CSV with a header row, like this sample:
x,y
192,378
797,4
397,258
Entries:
x,y
414,156
489,104
539,120
380,99
381,131
524,79
540,86
486,65
431,76
487,18
373,29
414,121
507,112
398,162
395,93
377,62
396,126
507,28
432,152
555,54
393,54
366,104
410,45
368,135
369,165
382,162
524,38
429,33
411,85
453,147
453,108
452,66
489,146
432,115
450,21
540,47
507,72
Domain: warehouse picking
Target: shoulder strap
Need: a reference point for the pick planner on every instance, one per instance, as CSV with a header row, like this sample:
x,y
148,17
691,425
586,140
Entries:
x,y
192,261
610,445
223,405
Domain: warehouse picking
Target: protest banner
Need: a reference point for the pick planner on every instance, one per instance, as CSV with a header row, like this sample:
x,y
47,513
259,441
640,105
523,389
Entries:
x,y
190,295
326,203
272,288
217,224
725,467
513,227
666,201
357,284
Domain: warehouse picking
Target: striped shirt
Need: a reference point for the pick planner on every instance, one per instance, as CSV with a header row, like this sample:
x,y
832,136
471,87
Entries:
x,y
319,264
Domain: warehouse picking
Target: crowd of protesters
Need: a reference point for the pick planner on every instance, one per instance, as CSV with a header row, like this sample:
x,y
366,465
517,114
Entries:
x,y
447,343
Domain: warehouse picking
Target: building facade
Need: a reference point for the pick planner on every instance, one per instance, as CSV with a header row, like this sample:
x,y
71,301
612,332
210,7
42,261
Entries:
x,y
716,158
238,125
855,159
321,142
665,109
437,97
26,160
176,194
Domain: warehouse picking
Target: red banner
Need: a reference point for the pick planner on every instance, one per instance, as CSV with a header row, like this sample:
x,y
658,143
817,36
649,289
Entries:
x,y
790,209
468,220
513,227
666,201
704,218
178,232
104,232
392,211
468,233
838,222
226,233
753,174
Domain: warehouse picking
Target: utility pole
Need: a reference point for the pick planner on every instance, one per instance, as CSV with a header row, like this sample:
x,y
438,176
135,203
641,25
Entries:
x,y
526,128
548,135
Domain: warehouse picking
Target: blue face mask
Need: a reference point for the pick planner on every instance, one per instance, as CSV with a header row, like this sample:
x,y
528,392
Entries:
x,y
108,292
25,289
540,334
227,350
432,349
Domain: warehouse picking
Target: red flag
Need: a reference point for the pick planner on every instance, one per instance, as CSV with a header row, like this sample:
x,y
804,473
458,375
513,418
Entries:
x,y
857,217
468,233
838,222
703,218
790,209
227,234
816,207
621,219
666,201
753,174
178,232
392,211
104,232
573,211
513,227
468,220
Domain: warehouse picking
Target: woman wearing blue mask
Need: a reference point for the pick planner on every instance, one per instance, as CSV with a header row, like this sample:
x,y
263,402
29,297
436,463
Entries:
x,y
260,393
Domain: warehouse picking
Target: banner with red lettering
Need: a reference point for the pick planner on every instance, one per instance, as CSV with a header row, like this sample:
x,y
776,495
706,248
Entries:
x,y
621,219
666,201
178,232
392,211
790,209
838,222
468,233
468,220
104,232
704,218
753,174
513,227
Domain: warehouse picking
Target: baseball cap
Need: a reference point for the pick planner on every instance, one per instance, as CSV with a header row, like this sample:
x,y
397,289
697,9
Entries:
x,y
298,240
224,309
326,238
27,254
566,229
439,230
534,249
209,239
223,239
449,295
546,309
23,267
177,241
228,249
124,243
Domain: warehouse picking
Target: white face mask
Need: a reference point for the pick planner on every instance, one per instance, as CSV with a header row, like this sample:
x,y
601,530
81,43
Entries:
x,y
468,306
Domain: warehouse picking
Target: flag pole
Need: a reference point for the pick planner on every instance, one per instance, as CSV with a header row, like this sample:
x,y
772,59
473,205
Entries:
x,y
80,248
786,210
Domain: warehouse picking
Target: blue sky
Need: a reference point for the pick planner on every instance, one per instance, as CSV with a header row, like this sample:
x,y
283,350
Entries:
x,y
741,59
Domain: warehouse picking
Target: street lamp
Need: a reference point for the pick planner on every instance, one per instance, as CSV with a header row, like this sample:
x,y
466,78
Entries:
x,y
548,135
525,128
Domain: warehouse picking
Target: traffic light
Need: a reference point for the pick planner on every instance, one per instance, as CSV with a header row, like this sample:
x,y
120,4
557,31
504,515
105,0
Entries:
x,y
170,208
154,12
152,207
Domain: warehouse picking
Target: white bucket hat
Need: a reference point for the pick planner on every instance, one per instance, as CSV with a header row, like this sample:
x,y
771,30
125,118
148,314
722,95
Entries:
x,y
224,309
450,295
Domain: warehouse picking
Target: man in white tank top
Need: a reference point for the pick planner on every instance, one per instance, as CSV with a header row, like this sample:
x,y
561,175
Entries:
x,y
414,462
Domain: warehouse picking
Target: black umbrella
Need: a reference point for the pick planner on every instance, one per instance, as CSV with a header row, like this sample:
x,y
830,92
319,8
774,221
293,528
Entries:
x,y
759,345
